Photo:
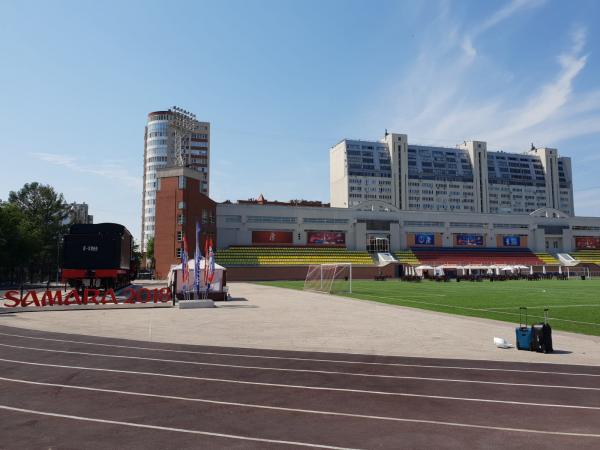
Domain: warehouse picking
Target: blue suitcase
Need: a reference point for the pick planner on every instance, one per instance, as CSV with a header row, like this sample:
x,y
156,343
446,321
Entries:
x,y
524,333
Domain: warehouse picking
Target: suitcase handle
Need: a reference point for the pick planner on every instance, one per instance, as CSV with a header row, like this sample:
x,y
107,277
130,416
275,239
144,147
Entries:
x,y
521,310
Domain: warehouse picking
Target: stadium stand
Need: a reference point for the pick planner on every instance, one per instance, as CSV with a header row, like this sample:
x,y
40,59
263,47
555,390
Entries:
x,y
472,256
406,257
289,256
587,256
547,258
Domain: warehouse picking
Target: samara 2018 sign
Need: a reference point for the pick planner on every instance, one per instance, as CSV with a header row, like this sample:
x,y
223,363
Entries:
x,y
89,296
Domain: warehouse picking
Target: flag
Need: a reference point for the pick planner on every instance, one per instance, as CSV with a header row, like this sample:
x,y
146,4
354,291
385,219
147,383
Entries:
x,y
185,272
206,242
198,257
210,266
211,263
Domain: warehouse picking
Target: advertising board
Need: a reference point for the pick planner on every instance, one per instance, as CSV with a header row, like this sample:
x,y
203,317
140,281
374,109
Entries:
x,y
424,239
511,241
587,243
469,240
272,237
325,238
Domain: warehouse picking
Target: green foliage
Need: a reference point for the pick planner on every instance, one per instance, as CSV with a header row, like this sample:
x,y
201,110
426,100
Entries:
x,y
136,254
150,251
31,224
18,237
574,305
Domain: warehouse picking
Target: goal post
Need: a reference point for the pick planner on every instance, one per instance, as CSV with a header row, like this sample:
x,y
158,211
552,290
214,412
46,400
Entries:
x,y
329,278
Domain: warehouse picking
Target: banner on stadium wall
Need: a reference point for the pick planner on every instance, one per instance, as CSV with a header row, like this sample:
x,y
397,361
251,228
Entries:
x,y
272,237
424,239
587,243
469,240
511,241
325,238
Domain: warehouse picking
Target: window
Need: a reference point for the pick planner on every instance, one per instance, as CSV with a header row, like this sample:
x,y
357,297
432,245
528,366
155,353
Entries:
x,y
259,219
181,205
233,219
178,253
323,220
205,216
511,225
179,236
181,219
468,224
181,182
412,223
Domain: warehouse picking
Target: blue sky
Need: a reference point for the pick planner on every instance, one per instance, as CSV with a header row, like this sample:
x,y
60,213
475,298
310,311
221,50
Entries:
x,y
283,81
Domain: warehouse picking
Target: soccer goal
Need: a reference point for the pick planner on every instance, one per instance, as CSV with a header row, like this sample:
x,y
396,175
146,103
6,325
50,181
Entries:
x,y
329,278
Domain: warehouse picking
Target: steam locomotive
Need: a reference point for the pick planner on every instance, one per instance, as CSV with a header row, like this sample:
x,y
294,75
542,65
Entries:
x,y
98,256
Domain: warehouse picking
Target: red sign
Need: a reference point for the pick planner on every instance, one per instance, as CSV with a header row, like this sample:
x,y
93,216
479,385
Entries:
x,y
326,238
272,237
87,297
587,243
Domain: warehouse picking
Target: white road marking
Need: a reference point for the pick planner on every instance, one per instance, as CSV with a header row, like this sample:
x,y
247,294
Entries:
x,y
279,408
287,358
278,385
279,369
161,428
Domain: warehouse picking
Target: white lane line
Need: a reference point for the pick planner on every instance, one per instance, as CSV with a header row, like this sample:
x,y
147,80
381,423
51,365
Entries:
x,y
543,307
304,444
161,428
322,372
407,299
280,408
290,386
287,358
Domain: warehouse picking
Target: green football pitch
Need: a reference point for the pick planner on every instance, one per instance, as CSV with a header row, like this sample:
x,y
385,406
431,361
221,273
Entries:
x,y
574,305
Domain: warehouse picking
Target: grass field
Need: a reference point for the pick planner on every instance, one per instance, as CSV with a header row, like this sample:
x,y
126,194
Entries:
x,y
574,304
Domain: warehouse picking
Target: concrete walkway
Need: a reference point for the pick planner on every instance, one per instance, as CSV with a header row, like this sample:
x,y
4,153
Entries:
x,y
275,318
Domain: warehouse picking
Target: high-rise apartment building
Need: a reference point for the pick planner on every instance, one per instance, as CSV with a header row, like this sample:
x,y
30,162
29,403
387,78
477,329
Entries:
x,y
78,213
468,178
172,138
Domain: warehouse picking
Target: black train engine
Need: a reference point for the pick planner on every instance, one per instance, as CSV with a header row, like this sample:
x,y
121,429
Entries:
x,y
98,256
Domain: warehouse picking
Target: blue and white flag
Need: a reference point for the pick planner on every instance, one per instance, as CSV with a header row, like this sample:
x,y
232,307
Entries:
x,y
197,258
211,265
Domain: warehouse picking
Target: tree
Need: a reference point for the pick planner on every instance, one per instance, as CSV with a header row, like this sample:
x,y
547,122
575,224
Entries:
x,y
44,211
136,255
150,251
18,241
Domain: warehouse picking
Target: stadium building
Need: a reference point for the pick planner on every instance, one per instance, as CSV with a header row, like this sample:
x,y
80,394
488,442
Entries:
x,y
407,205
468,178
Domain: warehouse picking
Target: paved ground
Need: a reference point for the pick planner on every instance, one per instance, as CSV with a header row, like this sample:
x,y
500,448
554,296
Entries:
x,y
267,317
74,391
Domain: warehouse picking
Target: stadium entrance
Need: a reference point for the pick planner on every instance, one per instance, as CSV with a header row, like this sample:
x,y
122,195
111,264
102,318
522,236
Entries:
x,y
378,243
554,244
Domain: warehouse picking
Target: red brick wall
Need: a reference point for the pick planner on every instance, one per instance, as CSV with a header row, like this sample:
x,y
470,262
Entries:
x,y
166,226
274,273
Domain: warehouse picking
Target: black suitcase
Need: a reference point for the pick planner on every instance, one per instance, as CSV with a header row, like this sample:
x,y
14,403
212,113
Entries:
x,y
542,335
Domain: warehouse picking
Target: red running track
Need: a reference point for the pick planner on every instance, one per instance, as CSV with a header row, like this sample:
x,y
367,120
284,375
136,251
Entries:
x,y
73,391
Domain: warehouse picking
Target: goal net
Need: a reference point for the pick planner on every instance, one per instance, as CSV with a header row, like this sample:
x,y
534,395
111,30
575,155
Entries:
x,y
329,278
